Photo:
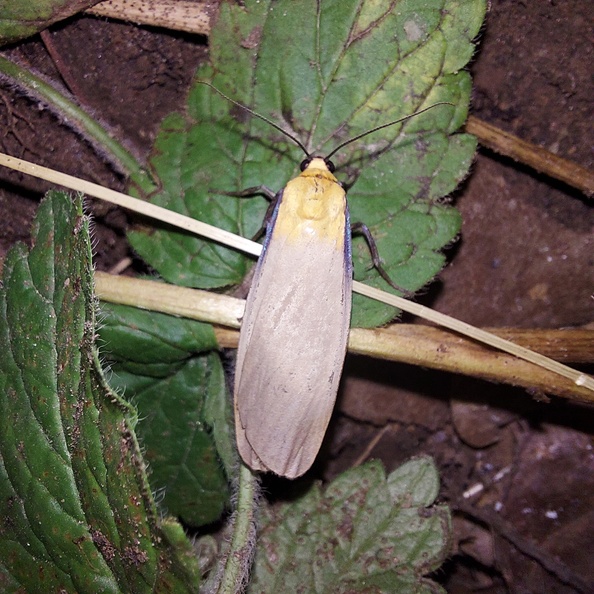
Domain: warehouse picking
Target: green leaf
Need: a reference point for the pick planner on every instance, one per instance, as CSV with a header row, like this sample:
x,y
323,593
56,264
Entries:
x,y
23,18
168,368
325,71
363,533
77,510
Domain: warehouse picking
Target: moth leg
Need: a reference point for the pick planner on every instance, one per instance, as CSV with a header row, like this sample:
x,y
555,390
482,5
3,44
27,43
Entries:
x,y
265,191
253,191
363,229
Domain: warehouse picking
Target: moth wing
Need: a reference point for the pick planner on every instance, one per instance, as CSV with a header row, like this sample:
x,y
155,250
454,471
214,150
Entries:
x,y
291,352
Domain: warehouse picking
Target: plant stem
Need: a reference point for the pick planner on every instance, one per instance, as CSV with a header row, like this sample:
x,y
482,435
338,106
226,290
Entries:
x,y
236,564
39,89
413,344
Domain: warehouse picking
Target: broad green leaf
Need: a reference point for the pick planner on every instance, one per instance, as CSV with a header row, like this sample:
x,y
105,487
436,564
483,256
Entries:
x,y
325,71
23,18
78,514
365,532
168,368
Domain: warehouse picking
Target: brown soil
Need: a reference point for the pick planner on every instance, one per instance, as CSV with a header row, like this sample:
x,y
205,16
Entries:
x,y
525,259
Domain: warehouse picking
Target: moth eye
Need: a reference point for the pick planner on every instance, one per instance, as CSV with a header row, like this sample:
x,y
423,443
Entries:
x,y
305,163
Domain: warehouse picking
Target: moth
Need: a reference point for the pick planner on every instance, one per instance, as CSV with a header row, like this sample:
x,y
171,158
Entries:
x,y
295,328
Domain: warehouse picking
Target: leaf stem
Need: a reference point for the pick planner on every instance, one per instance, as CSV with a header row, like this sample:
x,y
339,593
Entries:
x,y
41,90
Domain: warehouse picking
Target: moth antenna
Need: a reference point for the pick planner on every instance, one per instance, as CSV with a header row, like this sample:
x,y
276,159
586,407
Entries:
x,y
259,116
412,115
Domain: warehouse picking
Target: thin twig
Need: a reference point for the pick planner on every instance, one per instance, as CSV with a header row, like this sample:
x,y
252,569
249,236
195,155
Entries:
x,y
580,379
527,547
61,67
178,15
532,155
372,443
250,247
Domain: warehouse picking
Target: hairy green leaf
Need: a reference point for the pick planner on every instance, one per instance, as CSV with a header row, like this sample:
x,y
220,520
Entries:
x,y
325,72
23,18
365,532
168,368
78,514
